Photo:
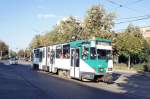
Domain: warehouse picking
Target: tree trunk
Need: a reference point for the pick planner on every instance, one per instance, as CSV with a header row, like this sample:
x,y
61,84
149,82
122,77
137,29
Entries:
x,y
129,65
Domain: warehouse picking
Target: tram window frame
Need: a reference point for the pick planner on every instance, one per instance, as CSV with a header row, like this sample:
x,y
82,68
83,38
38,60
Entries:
x,y
93,55
43,53
66,51
58,52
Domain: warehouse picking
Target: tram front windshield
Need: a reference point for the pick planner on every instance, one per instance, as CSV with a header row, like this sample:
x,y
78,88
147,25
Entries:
x,y
99,53
103,54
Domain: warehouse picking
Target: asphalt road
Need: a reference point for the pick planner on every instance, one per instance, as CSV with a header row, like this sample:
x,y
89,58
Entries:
x,y
21,82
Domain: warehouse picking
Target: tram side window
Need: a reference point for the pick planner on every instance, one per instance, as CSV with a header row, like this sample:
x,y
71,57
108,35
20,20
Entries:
x,y
93,53
85,53
36,53
58,52
66,51
52,56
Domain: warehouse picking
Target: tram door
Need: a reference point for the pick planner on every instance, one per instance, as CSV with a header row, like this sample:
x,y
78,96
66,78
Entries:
x,y
52,61
75,62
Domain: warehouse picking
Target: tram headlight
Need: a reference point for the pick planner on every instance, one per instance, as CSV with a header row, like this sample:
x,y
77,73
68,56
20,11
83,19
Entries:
x,y
101,69
109,69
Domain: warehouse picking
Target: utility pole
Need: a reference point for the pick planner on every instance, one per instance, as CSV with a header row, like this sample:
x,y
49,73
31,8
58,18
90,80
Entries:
x,y
9,52
1,54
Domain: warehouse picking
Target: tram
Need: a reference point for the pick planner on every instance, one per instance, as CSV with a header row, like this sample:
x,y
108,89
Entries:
x,y
82,59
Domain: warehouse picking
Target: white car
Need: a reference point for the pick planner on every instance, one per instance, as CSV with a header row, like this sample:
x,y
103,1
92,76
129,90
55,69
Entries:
x,y
13,61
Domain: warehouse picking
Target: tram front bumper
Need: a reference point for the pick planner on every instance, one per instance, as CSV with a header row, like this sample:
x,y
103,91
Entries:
x,y
87,75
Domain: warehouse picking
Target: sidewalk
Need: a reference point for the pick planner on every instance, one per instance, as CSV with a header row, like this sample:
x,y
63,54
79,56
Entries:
x,y
125,71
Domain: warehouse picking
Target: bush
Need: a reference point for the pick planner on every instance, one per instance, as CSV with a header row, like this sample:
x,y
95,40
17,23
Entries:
x,y
120,66
139,67
147,67
136,67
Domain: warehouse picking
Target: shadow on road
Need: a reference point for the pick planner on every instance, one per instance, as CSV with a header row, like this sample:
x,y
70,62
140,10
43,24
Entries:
x,y
136,84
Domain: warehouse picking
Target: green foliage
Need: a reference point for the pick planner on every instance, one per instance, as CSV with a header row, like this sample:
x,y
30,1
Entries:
x,y
24,53
147,65
20,53
98,22
120,66
3,46
134,30
69,27
136,67
139,67
129,43
12,53
3,50
36,41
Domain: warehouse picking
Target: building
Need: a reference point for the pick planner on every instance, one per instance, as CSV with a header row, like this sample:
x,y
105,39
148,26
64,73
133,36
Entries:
x,y
145,32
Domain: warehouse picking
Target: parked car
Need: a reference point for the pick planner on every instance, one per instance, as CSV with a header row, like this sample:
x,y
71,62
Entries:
x,y
13,61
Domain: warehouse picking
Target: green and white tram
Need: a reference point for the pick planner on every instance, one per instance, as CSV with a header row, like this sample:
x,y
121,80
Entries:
x,y
81,59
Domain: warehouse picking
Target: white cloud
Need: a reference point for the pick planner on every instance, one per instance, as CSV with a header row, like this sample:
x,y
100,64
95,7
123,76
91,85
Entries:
x,y
47,16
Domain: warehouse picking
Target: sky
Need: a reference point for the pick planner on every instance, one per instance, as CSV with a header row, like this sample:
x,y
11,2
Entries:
x,y
21,20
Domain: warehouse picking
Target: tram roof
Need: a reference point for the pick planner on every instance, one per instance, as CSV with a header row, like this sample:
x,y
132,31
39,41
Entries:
x,y
102,39
80,42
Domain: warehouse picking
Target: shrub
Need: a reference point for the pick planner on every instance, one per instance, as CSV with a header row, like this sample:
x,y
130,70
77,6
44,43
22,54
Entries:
x,y
147,67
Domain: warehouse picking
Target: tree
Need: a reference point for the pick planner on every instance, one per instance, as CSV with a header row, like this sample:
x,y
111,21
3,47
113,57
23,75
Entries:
x,y
98,22
12,53
135,30
37,41
130,43
3,49
63,31
68,27
21,53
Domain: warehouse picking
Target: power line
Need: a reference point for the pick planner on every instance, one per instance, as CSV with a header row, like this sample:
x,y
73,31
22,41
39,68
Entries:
x,y
120,5
132,17
133,20
137,1
137,26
